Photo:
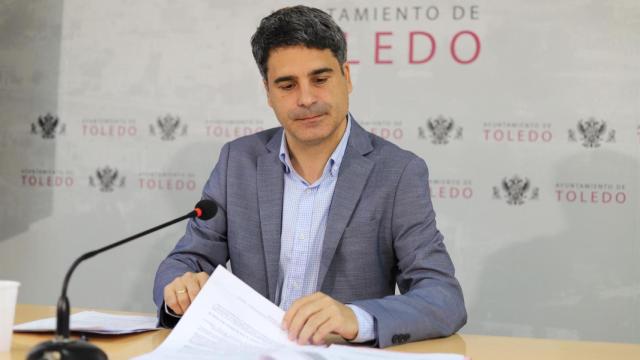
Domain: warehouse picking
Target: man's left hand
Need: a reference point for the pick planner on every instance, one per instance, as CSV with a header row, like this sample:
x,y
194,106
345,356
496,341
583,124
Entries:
x,y
311,318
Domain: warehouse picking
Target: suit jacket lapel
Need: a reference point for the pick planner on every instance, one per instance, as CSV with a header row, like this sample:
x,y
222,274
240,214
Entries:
x,y
353,175
270,177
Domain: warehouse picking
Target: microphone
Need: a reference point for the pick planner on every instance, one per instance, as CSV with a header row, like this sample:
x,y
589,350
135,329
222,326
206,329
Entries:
x,y
63,348
205,209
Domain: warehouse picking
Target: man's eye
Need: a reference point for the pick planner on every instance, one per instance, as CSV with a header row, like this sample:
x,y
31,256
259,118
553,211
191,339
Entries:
x,y
286,86
321,80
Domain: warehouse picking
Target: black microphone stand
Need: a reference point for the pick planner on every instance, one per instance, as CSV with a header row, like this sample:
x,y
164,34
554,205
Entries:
x,y
64,348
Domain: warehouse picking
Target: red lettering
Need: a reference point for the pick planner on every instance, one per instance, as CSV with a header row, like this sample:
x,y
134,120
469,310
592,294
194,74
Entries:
x,y
412,59
451,192
454,43
520,135
464,46
47,181
109,130
498,135
167,184
590,197
388,133
379,46
229,132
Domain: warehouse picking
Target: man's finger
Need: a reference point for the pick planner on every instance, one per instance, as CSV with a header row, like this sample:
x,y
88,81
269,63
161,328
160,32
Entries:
x,y
291,313
301,316
171,300
311,326
202,278
182,291
193,288
182,295
329,326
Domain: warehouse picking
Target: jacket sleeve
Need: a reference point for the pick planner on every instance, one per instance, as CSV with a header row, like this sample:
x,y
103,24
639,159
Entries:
x,y
204,244
431,303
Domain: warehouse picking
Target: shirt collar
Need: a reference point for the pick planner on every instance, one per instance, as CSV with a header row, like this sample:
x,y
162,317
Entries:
x,y
334,160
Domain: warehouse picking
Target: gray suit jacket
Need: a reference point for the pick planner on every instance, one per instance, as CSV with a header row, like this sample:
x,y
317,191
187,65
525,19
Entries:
x,y
381,230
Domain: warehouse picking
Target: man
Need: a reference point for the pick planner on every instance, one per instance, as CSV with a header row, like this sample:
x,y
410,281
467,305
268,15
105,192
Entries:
x,y
320,216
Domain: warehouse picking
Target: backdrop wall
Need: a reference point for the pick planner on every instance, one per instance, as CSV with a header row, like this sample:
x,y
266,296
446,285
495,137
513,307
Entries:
x,y
527,113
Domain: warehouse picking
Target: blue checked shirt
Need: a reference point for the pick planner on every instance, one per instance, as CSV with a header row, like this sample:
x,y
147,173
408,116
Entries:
x,y
304,220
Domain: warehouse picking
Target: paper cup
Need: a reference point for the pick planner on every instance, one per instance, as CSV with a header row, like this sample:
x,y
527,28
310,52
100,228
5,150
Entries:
x,y
8,297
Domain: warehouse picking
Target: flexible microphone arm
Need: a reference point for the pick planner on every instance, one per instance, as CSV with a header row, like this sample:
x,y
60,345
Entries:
x,y
62,316
61,345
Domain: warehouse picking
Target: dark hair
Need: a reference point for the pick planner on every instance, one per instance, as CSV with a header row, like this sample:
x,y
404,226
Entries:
x,y
297,25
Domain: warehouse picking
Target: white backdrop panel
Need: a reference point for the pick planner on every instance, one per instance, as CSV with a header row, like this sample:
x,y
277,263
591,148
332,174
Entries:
x,y
527,113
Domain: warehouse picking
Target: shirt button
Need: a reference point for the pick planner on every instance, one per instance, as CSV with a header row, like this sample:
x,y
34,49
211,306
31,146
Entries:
x,y
301,237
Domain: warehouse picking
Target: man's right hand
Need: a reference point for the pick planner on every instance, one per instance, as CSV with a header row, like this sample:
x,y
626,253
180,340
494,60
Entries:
x,y
181,292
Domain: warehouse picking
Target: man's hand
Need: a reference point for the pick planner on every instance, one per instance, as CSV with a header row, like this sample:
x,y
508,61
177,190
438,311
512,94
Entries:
x,y
311,318
181,292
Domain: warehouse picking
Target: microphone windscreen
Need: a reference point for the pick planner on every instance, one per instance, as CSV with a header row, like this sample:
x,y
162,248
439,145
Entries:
x,y
208,209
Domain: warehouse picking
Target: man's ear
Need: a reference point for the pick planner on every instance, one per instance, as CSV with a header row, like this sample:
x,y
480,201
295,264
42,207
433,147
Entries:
x,y
346,69
266,89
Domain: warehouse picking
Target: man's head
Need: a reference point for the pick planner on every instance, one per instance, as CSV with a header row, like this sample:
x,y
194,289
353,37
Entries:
x,y
301,54
297,26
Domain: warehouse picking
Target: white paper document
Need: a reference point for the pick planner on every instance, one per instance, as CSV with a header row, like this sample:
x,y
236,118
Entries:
x,y
227,320
341,352
230,320
95,323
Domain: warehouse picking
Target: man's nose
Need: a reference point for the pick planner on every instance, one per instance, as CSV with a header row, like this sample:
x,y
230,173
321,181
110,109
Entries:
x,y
306,95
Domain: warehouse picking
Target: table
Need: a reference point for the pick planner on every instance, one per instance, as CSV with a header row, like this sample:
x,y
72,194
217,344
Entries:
x,y
478,347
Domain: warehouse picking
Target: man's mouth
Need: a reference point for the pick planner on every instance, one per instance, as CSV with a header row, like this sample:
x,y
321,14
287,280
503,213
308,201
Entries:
x,y
311,117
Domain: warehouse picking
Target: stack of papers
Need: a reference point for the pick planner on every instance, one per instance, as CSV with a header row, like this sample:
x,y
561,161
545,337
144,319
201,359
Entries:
x,y
229,320
94,322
